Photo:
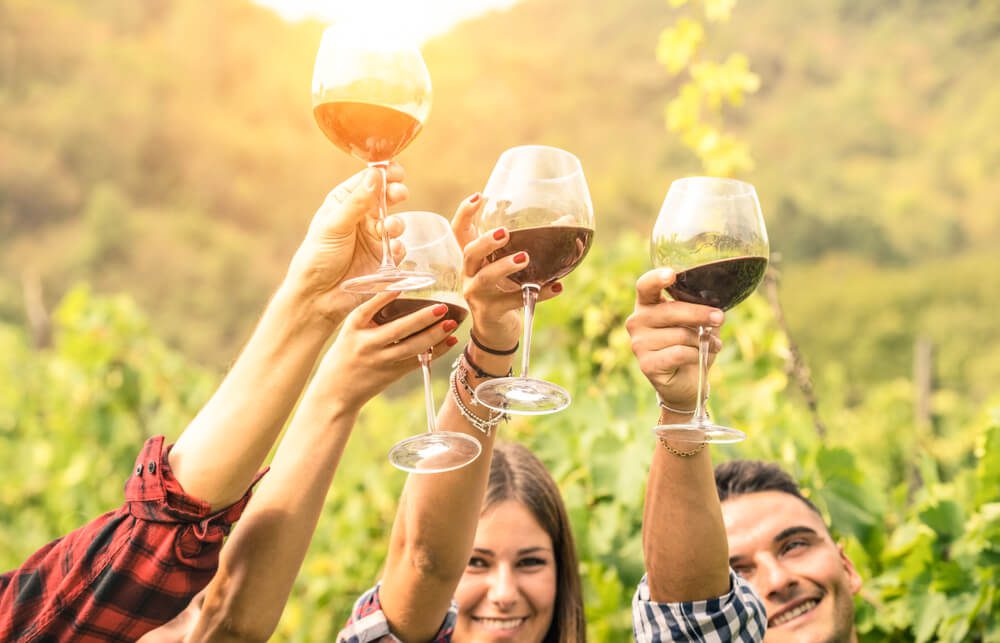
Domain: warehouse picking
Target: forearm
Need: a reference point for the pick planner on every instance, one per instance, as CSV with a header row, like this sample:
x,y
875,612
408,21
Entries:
x,y
436,525
684,538
262,558
217,456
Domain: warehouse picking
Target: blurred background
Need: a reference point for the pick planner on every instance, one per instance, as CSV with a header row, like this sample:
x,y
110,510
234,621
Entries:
x,y
159,163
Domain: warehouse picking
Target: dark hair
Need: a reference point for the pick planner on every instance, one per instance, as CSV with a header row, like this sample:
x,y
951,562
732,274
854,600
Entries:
x,y
516,474
740,477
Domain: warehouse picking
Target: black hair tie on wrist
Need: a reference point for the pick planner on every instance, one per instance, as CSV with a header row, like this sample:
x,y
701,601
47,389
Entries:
x,y
493,351
480,373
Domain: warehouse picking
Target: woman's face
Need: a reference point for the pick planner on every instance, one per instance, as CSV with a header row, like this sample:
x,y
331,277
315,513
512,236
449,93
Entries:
x,y
508,590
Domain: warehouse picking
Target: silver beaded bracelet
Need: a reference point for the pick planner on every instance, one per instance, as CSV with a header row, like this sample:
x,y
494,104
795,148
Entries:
x,y
459,375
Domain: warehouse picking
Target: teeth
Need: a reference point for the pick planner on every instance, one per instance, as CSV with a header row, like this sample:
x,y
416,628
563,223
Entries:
x,y
500,624
798,611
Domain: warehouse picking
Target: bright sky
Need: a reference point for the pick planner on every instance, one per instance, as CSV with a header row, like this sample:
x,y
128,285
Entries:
x,y
421,19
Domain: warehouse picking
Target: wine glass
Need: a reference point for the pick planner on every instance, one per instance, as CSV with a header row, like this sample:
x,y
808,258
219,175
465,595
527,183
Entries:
x,y
431,248
540,195
371,95
711,232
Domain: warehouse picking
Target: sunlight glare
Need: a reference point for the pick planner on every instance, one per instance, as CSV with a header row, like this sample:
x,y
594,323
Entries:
x,y
420,20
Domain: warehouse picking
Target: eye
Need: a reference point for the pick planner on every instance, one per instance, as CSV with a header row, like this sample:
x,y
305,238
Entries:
x,y
743,571
478,562
791,545
532,562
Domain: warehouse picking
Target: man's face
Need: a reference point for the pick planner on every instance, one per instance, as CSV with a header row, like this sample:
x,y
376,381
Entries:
x,y
782,547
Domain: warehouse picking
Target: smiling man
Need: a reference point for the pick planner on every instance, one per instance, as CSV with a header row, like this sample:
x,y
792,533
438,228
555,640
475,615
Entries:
x,y
780,544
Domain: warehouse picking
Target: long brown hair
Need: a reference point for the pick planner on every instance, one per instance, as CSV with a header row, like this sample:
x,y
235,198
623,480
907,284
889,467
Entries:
x,y
516,474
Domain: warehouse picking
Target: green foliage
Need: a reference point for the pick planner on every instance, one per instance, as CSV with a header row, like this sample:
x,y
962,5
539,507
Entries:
x,y
72,418
696,113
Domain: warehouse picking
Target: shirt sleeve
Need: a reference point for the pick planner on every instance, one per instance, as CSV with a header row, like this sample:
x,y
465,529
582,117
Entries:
x,y
124,573
736,616
367,623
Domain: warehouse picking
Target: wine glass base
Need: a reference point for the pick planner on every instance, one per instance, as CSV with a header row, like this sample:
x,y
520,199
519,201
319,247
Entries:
x,y
698,432
394,280
435,452
522,396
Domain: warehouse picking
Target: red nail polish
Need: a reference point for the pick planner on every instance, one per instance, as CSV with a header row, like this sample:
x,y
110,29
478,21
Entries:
x,y
557,287
521,257
440,309
499,234
475,198
449,325
451,341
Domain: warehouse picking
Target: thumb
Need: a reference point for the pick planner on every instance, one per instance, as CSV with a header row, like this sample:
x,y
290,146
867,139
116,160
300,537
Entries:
x,y
350,201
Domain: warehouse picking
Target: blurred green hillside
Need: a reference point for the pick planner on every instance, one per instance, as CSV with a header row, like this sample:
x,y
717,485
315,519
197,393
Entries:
x,y
164,154
167,149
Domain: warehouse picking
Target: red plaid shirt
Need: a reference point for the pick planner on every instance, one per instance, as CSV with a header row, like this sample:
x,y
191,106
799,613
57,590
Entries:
x,y
125,573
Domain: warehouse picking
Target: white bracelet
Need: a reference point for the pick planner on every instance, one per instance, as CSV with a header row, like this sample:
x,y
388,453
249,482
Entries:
x,y
663,405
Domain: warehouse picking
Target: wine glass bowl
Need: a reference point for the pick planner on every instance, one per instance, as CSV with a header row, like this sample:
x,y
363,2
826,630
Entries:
x,y
431,248
539,194
711,233
371,95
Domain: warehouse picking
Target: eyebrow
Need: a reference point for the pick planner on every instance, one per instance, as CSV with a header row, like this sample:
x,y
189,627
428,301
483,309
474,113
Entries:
x,y
520,552
782,535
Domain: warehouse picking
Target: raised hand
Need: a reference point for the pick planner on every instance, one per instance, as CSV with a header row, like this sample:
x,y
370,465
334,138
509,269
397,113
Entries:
x,y
665,339
367,357
494,300
343,239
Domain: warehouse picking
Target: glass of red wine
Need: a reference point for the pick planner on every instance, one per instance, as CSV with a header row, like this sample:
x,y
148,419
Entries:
x,y
539,194
371,94
431,248
711,232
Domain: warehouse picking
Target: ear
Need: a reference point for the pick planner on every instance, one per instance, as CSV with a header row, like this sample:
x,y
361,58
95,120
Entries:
x,y
853,578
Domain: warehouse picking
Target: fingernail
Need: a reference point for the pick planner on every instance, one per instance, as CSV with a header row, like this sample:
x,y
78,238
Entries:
x,y
449,325
521,257
666,274
716,317
557,287
440,309
499,234
451,341
475,198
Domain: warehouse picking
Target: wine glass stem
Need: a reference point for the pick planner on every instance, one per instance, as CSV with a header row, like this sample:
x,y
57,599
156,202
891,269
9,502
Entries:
x,y
425,367
388,264
700,414
530,293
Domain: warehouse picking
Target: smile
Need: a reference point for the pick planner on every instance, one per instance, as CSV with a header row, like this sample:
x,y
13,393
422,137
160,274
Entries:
x,y
795,612
500,623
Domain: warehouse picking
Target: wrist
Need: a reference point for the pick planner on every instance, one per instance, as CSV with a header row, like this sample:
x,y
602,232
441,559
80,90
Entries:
x,y
324,307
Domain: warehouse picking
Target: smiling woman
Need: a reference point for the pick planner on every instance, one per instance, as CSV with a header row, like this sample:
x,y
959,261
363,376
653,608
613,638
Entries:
x,y
419,20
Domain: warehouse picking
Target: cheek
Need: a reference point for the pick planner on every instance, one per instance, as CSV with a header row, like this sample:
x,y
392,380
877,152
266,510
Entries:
x,y
541,590
470,591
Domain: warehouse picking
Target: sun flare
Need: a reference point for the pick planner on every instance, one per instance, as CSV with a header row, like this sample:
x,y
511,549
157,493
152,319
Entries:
x,y
417,20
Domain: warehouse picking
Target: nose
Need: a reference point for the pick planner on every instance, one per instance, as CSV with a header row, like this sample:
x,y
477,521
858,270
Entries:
x,y
778,583
503,587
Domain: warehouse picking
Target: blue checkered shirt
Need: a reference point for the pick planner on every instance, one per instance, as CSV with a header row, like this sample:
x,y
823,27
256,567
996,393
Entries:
x,y
736,616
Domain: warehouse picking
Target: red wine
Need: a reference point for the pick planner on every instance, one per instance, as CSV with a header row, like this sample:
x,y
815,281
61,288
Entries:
x,y
721,284
403,306
553,252
373,133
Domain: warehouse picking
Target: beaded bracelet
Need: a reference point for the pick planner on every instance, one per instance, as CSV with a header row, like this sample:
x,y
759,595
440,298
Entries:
x,y
493,351
482,425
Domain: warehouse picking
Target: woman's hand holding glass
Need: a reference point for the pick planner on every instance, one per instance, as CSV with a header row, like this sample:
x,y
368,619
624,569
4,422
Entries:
x,y
344,239
495,301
